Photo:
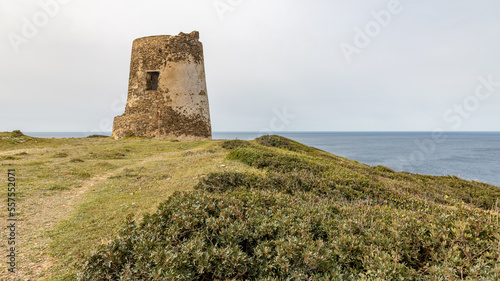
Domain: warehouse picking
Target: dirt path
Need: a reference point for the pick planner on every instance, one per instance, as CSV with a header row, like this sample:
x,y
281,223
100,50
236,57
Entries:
x,y
40,216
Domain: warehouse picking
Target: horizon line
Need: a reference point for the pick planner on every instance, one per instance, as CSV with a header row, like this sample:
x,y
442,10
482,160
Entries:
x,y
358,131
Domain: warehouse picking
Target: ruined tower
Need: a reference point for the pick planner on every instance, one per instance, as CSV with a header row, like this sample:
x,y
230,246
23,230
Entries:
x,y
167,92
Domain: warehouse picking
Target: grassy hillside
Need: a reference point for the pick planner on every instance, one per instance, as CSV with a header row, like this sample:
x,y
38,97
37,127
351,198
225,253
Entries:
x,y
268,208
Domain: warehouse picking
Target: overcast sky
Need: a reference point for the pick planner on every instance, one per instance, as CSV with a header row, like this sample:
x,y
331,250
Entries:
x,y
280,65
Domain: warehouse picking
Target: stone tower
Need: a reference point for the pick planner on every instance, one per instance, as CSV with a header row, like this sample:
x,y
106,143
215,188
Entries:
x,y
167,92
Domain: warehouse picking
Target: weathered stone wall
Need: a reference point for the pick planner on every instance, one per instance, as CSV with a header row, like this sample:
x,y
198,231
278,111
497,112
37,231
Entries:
x,y
178,108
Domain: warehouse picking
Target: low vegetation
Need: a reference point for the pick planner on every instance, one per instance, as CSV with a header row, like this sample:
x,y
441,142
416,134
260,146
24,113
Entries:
x,y
305,214
268,209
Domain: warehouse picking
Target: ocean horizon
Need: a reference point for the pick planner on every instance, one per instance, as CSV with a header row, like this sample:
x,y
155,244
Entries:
x,y
467,155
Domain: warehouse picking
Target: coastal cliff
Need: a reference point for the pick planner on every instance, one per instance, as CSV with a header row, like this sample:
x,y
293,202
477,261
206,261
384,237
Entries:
x,y
244,210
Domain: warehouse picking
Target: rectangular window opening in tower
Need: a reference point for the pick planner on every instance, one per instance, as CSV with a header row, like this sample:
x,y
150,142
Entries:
x,y
152,80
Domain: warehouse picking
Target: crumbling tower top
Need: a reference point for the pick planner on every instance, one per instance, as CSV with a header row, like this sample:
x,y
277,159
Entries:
x,y
167,95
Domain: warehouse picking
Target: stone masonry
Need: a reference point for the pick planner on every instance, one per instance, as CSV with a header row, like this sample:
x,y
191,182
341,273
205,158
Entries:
x,y
167,94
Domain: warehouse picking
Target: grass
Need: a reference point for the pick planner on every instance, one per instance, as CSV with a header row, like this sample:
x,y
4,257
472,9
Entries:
x,y
76,194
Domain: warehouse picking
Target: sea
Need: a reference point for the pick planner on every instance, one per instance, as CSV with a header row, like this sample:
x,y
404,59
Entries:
x,y
467,155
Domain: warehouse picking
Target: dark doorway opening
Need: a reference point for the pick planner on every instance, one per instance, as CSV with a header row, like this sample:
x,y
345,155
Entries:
x,y
152,80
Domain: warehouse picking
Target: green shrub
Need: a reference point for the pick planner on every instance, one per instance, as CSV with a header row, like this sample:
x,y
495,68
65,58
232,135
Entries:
x,y
17,134
81,174
274,141
384,169
284,143
273,161
308,218
97,136
60,155
251,235
291,183
224,181
109,154
59,187
232,144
